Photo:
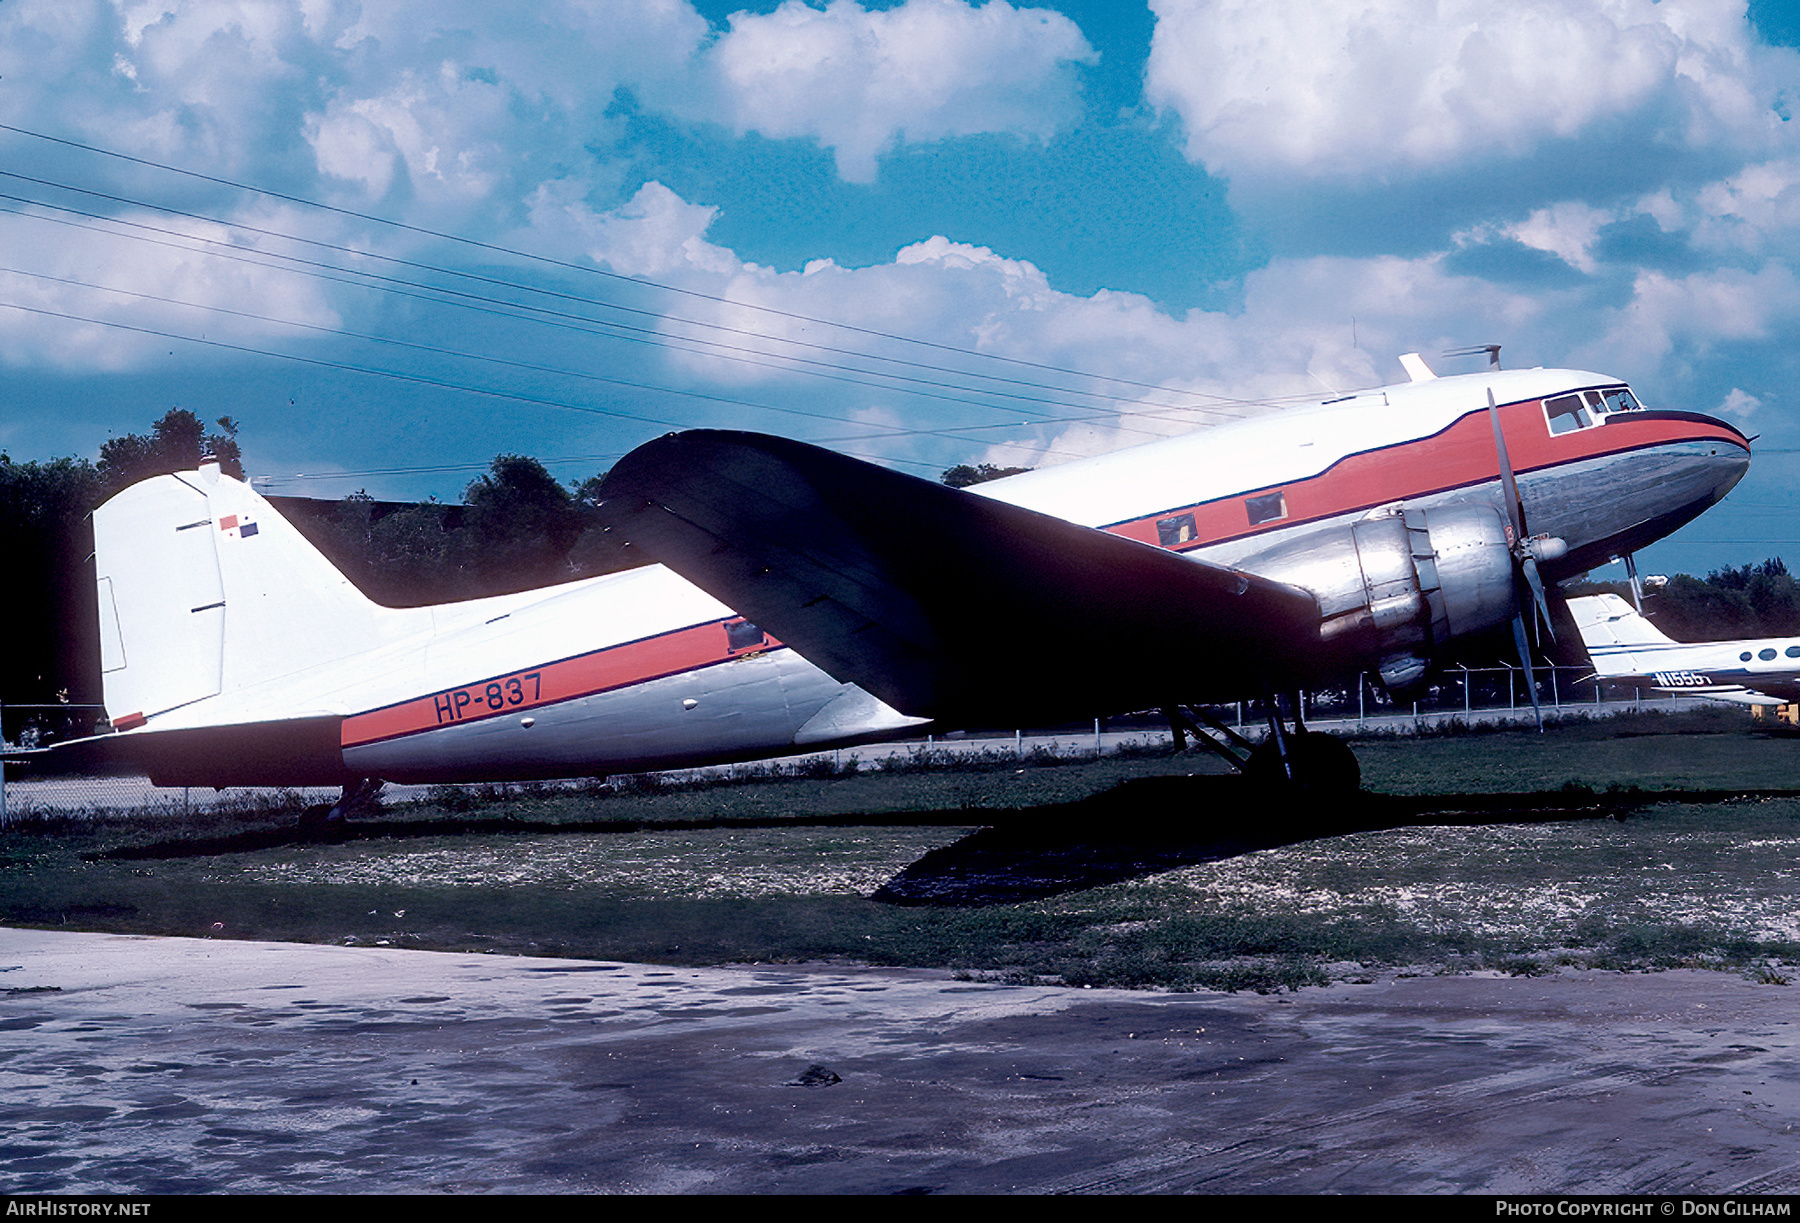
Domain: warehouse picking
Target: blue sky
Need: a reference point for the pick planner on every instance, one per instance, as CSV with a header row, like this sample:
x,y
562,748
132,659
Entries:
x,y
927,232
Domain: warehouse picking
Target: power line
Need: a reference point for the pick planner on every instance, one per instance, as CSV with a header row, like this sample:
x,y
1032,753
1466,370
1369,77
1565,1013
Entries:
x,y
586,269
539,314
436,294
515,285
422,380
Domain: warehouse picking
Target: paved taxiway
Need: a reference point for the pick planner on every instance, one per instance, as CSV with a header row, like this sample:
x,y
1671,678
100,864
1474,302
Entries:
x,y
162,1065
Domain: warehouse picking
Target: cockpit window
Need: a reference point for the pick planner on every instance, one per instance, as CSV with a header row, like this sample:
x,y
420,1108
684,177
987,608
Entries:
x,y
1618,399
1584,409
1567,413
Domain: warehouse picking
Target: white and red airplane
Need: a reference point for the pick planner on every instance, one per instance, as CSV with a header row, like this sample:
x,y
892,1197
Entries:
x,y
1371,532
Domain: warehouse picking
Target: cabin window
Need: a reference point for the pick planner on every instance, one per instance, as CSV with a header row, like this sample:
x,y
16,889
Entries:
x,y
1177,530
743,635
1266,508
1744,657
1567,413
1793,651
1765,655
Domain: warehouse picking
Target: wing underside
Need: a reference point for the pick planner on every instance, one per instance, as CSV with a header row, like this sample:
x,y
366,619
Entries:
x,y
946,604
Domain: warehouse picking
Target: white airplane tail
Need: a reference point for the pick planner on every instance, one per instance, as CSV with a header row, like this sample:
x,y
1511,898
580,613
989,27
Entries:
x,y
1608,622
1620,642
204,588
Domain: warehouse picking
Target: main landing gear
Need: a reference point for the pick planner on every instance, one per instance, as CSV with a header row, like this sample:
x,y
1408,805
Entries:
x,y
357,797
1306,760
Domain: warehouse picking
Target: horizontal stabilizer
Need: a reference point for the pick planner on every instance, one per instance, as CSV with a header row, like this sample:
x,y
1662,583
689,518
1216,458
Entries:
x,y
292,752
945,604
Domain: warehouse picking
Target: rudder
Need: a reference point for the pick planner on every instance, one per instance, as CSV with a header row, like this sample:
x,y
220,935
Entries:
x,y
205,588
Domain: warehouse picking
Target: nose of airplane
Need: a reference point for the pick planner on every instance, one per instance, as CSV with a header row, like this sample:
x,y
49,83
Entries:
x,y
1721,452
1701,458
1663,470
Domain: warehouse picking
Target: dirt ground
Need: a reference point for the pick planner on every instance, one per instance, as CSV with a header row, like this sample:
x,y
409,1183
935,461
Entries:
x,y
163,1065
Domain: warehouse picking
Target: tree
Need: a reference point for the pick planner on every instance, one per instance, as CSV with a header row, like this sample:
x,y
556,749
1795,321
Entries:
x,y
51,625
1730,603
963,475
519,500
517,529
177,442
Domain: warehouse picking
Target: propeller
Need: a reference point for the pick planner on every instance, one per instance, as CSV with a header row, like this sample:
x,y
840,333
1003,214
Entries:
x,y
1527,552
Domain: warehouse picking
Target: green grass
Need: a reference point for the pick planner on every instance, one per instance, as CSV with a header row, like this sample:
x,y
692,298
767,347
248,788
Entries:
x,y
1638,843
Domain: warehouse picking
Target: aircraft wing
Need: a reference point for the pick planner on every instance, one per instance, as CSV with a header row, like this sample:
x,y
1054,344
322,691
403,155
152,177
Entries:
x,y
945,604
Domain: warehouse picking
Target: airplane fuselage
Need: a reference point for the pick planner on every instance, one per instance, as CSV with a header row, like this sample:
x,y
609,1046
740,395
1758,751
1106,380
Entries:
x,y
1607,485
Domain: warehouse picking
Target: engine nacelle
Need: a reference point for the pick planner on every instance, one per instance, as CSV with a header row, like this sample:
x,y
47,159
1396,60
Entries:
x,y
1399,585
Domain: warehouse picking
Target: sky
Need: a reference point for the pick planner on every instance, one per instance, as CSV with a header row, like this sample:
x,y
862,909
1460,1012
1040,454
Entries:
x,y
393,240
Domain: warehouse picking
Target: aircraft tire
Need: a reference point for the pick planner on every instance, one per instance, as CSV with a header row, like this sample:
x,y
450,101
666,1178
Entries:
x,y
1322,764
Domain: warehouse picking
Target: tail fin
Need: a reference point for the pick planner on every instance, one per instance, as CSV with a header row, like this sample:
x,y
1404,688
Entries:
x,y
1612,629
204,588
1608,620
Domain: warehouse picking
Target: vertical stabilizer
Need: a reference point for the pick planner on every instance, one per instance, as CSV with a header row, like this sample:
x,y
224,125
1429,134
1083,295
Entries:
x,y
205,589
1612,631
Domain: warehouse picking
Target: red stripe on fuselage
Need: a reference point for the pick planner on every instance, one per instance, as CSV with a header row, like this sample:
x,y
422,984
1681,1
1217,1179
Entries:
x,y
1459,456
567,679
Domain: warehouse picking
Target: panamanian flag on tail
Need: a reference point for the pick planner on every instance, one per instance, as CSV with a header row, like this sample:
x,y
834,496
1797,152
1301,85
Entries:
x,y
238,526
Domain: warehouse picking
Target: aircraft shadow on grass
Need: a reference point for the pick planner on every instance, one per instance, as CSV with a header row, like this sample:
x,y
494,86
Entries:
x,y
1156,824
1138,828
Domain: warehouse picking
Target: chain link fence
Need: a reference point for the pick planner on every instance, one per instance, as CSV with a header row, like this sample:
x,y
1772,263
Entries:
x,y
1469,694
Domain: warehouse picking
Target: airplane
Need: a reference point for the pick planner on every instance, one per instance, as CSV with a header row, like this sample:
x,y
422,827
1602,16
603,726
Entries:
x,y
811,600
1626,648
1371,532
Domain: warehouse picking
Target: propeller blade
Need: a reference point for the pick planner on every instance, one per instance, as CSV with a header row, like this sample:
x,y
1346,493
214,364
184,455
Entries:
x,y
1535,580
1527,562
1537,710
1515,509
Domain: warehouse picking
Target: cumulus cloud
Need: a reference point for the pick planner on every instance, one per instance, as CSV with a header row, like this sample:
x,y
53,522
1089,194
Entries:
x,y
1354,89
1752,210
1738,403
458,102
448,130
860,82
1671,322
497,122
1305,329
1566,230
198,80
655,233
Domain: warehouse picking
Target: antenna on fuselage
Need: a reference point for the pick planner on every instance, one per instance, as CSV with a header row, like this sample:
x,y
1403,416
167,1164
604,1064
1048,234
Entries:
x,y
1492,351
